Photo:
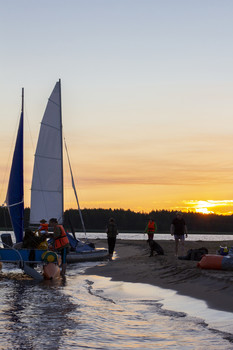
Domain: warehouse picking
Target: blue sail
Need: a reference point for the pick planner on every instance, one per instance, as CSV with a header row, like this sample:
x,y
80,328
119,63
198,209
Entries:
x,y
15,200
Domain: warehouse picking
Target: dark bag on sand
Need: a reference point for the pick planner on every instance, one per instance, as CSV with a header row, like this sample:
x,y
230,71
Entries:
x,y
194,254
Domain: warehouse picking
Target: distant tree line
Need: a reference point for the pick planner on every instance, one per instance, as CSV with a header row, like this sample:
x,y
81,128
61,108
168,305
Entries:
x,y
127,220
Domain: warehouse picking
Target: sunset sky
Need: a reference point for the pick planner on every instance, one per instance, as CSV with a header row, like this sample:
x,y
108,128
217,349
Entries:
x,y
147,97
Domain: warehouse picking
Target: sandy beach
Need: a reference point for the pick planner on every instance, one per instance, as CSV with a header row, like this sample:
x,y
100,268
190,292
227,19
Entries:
x,y
132,264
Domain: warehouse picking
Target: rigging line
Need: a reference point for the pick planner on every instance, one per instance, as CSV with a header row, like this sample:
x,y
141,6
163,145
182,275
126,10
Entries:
x,y
74,188
50,126
55,103
47,191
14,204
32,144
53,158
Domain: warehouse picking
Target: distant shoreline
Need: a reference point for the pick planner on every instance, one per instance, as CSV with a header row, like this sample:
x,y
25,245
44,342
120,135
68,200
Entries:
x,y
4,230
165,232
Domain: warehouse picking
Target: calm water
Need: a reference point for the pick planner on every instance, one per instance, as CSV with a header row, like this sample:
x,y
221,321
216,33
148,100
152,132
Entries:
x,y
142,236
158,236
90,312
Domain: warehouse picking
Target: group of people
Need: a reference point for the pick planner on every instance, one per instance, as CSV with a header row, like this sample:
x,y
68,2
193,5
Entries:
x,y
178,229
38,240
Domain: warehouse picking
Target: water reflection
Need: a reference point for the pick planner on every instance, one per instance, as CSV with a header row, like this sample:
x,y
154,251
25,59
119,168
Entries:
x,y
35,316
90,312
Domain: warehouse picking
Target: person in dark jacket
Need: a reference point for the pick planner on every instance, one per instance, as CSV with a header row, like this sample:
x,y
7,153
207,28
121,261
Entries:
x,y
179,230
112,232
194,254
30,241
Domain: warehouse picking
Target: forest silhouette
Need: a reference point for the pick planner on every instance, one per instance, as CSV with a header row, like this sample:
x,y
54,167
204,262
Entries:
x,y
130,221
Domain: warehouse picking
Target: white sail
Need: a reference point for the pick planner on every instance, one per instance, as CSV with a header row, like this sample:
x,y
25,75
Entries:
x,y
47,181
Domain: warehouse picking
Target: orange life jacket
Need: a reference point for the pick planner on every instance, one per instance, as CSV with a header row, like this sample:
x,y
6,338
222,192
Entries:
x,y
44,227
151,226
62,240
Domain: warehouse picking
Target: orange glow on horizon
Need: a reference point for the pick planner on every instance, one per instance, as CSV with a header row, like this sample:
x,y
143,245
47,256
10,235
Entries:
x,y
211,206
219,207
131,176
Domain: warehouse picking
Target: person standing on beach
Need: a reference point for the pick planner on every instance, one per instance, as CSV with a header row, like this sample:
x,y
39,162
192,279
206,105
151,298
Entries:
x,y
61,242
112,232
178,229
150,229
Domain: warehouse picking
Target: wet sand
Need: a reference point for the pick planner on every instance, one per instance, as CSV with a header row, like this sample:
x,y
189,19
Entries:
x,y
132,264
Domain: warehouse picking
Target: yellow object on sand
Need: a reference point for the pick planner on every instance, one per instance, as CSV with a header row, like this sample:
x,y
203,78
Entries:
x,y
49,257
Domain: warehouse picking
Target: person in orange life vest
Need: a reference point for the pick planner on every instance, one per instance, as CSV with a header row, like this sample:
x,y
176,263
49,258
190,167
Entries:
x,y
61,242
42,232
44,227
151,228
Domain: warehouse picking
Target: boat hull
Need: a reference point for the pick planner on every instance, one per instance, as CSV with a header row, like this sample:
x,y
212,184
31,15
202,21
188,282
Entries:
x,y
93,255
17,255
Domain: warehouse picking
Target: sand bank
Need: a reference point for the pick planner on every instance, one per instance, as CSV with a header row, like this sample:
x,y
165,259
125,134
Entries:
x,y
133,264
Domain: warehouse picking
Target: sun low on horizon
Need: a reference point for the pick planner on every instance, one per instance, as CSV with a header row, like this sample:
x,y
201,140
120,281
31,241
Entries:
x,y
147,102
124,170
199,206
221,207
117,176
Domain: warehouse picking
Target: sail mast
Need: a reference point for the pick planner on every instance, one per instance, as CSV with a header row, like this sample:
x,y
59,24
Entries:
x,y
62,182
22,108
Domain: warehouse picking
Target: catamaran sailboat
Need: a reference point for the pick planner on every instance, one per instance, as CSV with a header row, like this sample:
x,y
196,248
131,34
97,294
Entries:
x,y
26,258
47,191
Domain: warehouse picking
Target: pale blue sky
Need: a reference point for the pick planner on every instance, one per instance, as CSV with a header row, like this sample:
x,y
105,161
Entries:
x,y
147,91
